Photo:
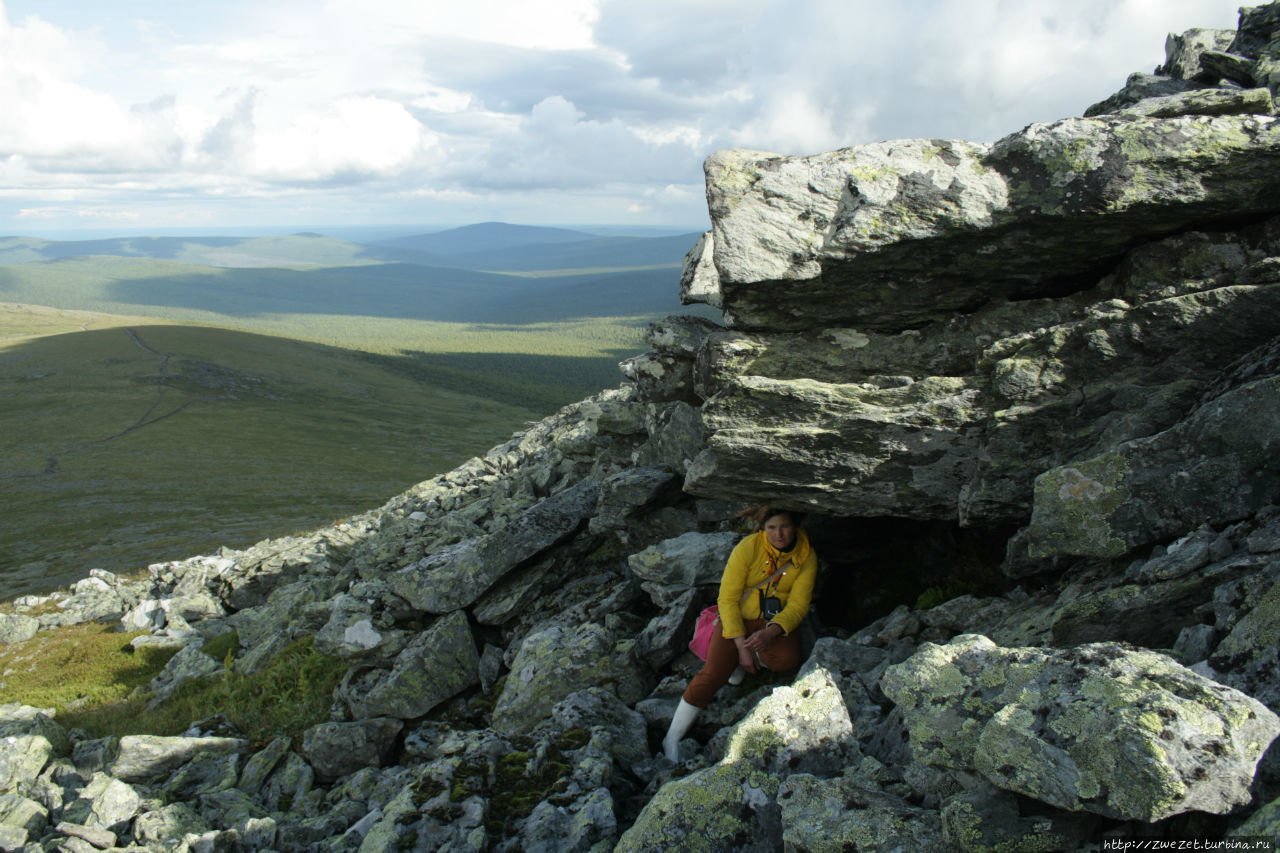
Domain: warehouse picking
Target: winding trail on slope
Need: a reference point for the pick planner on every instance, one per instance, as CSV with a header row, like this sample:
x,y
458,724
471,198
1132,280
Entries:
x,y
146,419
150,417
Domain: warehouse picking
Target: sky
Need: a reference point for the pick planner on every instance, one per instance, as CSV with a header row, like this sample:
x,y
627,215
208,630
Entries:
x,y
150,115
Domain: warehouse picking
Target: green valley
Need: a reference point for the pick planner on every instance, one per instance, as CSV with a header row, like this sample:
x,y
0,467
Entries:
x,y
155,405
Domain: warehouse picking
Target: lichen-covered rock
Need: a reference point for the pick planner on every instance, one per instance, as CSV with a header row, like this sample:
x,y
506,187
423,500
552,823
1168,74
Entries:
x,y
336,749
1150,489
357,630
437,664
723,807
17,628
800,728
1117,731
559,660
1247,655
454,577
19,812
985,819
896,234
838,814
1204,102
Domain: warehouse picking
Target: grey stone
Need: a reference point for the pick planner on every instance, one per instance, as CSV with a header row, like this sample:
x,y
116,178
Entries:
x,y
14,838
985,819
99,838
436,665
1115,731
1204,102
16,628
1247,655
1194,643
351,632
286,789
587,824
699,279
20,812
839,814
896,234
595,707
723,806
512,595
687,561
1229,66
556,661
1145,489
455,577
105,803
151,758
629,493
1182,52
668,634
259,765
1138,87
189,663
660,378
801,728
205,774
168,825
336,749
490,668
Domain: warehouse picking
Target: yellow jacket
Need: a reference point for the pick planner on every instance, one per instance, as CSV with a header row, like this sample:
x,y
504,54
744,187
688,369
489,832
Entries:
x,y
752,561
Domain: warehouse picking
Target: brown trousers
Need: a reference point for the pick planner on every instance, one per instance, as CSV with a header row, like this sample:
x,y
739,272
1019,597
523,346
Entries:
x,y
722,658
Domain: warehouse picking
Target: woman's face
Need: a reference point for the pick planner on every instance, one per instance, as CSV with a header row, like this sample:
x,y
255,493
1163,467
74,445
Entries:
x,y
780,530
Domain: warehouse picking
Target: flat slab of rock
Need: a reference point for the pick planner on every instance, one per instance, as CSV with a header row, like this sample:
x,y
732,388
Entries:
x,y
1118,731
151,758
454,577
896,234
438,664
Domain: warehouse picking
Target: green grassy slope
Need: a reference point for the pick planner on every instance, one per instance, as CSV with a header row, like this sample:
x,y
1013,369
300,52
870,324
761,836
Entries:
x,y
124,446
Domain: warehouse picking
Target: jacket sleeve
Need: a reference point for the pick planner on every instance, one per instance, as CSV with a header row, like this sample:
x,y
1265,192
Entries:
x,y
799,597
732,584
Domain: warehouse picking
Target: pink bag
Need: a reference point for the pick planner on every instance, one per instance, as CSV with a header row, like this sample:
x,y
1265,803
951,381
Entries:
x,y
703,630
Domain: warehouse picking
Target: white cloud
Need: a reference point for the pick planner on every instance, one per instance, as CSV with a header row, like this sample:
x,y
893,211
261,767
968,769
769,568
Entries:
x,y
555,109
354,137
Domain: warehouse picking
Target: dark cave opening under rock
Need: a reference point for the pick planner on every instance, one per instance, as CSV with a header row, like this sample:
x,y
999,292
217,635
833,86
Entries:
x,y
869,566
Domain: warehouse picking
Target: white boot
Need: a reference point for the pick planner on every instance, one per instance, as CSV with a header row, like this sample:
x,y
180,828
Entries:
x,y
681,722
738,675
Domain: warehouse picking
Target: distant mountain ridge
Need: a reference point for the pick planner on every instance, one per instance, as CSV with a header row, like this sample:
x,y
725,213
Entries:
x,y
485,236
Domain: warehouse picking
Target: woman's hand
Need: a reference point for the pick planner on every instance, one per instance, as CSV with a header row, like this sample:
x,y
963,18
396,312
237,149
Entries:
x,y
760,640
746,659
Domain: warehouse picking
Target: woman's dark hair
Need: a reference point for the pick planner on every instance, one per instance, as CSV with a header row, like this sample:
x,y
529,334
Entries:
x,y
757,515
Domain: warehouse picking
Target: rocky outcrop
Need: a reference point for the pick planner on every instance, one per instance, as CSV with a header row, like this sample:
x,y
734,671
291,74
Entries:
x,y
1027,391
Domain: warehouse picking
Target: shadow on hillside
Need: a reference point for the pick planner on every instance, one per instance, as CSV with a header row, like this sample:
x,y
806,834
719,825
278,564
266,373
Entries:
x,y
406,291
543,383
235,437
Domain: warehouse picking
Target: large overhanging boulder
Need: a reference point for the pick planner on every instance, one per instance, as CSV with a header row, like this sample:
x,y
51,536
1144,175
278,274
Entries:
x,y
1114,730
896,234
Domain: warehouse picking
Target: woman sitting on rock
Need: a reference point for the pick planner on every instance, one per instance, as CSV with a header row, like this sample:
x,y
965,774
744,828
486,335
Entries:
x,y
764,596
